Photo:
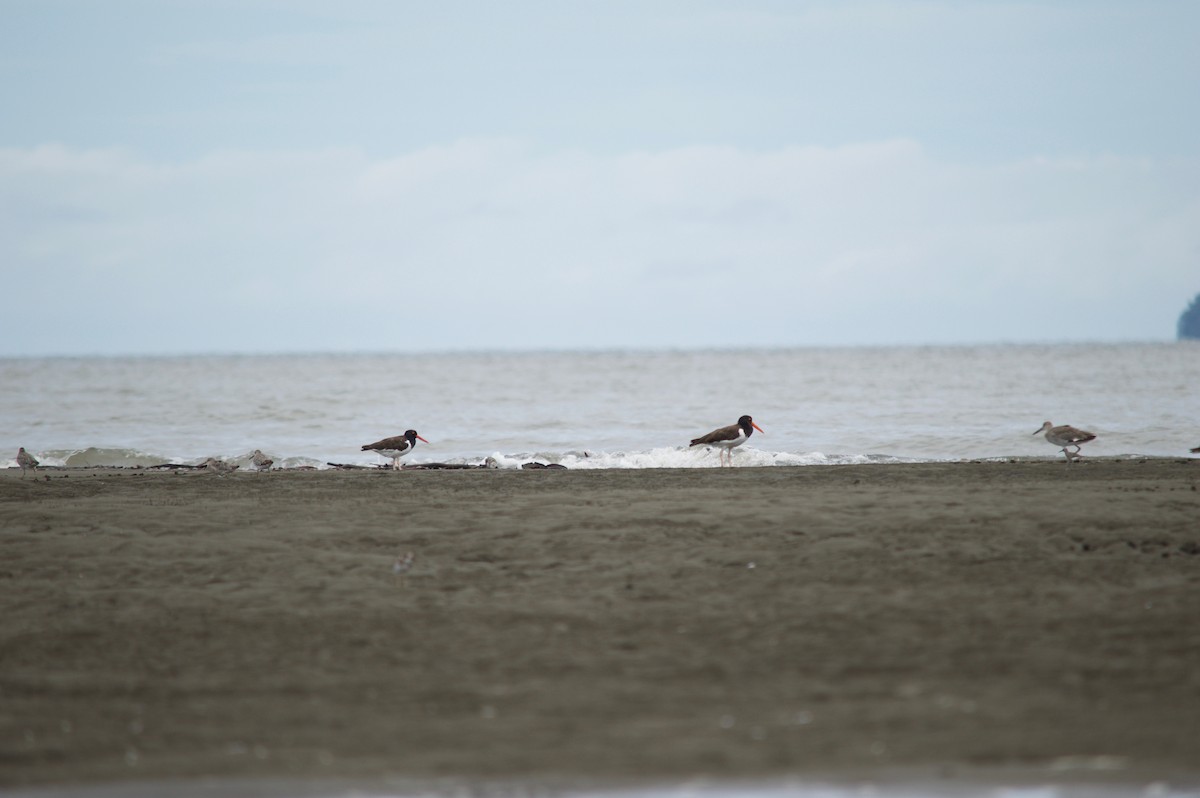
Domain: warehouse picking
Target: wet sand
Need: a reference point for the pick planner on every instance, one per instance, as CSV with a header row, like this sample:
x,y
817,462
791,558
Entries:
x,y
602,627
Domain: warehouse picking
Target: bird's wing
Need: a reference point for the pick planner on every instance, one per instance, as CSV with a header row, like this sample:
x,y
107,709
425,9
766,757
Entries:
x,y
722,434
397,442
1077,435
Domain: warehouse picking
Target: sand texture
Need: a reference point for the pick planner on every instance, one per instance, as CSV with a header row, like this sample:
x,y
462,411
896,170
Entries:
x,y
601,625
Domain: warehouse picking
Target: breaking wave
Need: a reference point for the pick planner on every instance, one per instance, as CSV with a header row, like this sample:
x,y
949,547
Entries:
x,y
665,457
676,457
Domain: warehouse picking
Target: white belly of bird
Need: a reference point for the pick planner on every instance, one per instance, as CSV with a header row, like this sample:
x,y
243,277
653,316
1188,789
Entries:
x,y
732,442
393,453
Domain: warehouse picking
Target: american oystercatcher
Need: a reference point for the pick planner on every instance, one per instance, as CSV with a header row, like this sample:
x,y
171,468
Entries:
x,y
726,438
1066,437
395,447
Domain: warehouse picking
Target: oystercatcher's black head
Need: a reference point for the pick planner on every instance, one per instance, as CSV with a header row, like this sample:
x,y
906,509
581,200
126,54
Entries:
x,y
412,436
748,426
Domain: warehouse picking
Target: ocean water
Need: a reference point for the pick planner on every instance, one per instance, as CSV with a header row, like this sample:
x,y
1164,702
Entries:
x,y
604,409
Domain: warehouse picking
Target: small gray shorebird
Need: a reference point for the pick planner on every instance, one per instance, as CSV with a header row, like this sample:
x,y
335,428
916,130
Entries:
x,y
26,461
219,467
728,438
261,461
1065,437
395,447
402,565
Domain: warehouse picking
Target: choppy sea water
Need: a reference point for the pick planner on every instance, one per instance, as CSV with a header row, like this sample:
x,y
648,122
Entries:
x,y
604,409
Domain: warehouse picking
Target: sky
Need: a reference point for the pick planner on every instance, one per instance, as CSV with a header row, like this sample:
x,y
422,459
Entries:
x,y
185,176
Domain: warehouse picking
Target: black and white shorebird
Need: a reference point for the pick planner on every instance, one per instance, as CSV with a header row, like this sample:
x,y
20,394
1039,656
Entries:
x,y
727,438
261,461
395,447
1065,437
26,461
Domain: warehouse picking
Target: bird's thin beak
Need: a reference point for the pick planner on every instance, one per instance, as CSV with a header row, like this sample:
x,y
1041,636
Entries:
x,y
421,439
1039,429
760,429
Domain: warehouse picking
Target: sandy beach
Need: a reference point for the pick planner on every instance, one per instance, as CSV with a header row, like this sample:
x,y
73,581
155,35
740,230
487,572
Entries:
x,y
602,627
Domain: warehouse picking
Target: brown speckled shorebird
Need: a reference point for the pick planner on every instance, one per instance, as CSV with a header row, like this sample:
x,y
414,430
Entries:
x,y
261,461
26,461
1065,437
219,467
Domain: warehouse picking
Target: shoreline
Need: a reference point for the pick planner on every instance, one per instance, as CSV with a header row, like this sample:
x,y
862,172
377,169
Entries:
x,y
600,626
944,782
542,460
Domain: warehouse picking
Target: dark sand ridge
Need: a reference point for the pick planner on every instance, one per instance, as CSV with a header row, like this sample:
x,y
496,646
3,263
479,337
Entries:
x,y
595,627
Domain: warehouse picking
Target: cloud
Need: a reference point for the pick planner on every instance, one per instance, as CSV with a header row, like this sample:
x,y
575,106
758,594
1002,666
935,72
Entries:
x,y
492,243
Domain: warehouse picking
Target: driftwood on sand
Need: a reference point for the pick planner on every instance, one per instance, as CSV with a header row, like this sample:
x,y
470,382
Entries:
x,y
436,466
410,467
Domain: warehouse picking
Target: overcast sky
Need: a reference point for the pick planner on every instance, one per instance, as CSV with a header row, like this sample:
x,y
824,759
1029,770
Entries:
x,y
257,176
